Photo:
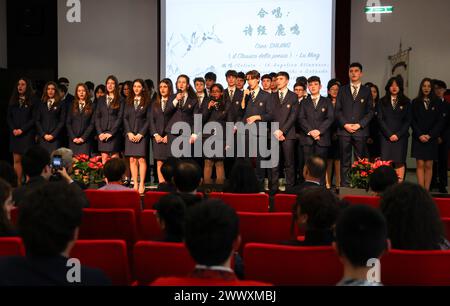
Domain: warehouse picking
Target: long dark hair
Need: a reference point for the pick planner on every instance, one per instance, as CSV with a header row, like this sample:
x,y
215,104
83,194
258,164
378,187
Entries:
x,y
169,84
242,178
412,217
372,85
14,100
45,96
402,100
190,90
420,95
145,95
76,101
5,192
115,104
97,89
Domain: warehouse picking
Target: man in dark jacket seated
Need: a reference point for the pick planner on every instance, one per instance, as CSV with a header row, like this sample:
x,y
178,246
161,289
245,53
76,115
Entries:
x,y
49,221
313,172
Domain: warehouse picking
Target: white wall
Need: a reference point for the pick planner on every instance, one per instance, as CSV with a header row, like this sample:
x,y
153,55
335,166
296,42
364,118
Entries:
x,y
422,25
3,41
114,37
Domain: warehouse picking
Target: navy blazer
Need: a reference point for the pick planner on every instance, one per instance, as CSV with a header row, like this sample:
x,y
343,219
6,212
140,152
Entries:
x,y
80,124
22,118
158,120
235,110
262,106
394,122
320,118
427,122
358,111
217,115
286,113
50,121
108,120
176,114
136,121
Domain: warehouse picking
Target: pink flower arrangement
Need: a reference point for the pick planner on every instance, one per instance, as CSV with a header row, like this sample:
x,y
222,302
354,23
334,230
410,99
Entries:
x,y
88,170
362,169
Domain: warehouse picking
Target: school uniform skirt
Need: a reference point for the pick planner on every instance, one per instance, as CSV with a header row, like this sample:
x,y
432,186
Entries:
x,y
19,145
394,151
424,151
136,149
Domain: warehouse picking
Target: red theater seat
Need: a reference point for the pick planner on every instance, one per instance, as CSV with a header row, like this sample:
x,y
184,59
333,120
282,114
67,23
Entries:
x,y
292,266
115,224
265,227
364,200
443,205
258,202
149,227
197,282
159,259
151,197
100,199
11,246
416,268
446,223
14,215
284,202
110,256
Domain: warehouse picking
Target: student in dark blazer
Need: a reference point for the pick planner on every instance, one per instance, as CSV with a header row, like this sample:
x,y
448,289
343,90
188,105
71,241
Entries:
x,y
21,123
353,113
334,159
300,90
394,117
202,97
256,107
108,120
440,168
428,120
233,96
215,112
80,121
285,111
136,122
373,141
180,109
158,121
50,118
316,117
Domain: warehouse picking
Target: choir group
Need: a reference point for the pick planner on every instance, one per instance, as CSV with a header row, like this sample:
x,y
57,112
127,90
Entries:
x,y
353,121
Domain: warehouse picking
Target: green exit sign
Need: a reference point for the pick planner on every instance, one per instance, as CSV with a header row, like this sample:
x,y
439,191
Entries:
x,y
379,9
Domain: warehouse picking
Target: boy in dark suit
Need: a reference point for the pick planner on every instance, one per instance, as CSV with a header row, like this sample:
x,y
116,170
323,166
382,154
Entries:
x,y
285,111
353,113
316,116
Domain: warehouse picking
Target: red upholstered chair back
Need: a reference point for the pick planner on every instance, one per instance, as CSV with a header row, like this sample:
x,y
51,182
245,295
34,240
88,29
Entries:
x,y
152,197
284,202
14,215
443,205
416,268
11,246
110,256
446,223
100,199
159,259
109,224
291,265
258,202
149,227
364,200
265,227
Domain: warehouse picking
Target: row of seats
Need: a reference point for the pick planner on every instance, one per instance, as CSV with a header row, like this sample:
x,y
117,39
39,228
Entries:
x,y
240,202
275,264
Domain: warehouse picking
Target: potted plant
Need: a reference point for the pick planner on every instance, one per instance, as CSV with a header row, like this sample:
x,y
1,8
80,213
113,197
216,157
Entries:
x,y
88,171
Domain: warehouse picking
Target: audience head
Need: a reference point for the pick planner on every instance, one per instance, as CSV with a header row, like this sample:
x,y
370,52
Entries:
x,y
361,235
412,217
168,169
66,156
36,162
382,178
114,170
316,208
188,176
170,213
49,219
7,205
242,178
315,168
212,233
8,173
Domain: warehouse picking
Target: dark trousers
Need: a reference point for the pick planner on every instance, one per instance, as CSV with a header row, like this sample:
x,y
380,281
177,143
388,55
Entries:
x,y
287,151
299,162
440,168
346,144
315,149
